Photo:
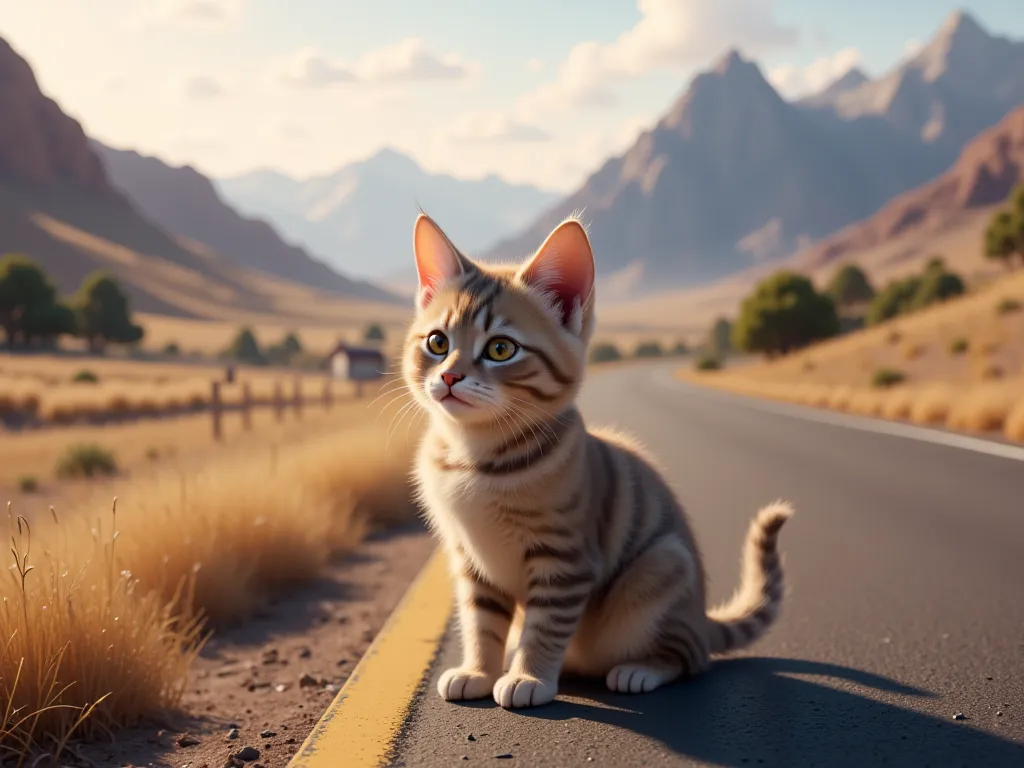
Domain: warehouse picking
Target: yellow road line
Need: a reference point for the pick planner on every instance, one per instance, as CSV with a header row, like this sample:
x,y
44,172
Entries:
x,y
359,728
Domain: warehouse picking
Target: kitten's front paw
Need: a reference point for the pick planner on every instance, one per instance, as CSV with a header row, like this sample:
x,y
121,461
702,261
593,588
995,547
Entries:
x,y
513,691
464,684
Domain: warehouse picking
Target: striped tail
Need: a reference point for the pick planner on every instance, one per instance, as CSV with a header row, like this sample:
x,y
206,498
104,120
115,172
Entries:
x,y
753,608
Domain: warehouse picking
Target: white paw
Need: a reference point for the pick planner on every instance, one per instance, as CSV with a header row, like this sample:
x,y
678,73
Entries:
x,y
634,678
514,691
463,684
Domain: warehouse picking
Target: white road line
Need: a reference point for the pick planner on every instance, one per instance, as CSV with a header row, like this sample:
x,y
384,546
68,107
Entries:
x,y
860,423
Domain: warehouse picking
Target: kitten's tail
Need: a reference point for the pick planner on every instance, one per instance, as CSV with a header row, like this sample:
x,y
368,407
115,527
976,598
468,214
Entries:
x,y
754,606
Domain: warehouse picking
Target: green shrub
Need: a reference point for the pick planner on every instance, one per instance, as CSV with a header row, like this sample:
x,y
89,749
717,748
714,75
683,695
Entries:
x,y
887,377
86,460
648,349
85,376
1008,306
373,332
707,362
958,346
28,484
172,349
680,349
604,352
152,453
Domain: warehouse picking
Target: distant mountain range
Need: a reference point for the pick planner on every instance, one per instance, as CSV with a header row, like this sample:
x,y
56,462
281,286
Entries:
x,y
359,218
734,175
61,205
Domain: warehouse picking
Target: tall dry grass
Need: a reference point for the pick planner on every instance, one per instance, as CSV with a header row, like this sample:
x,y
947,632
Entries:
x,y
106,609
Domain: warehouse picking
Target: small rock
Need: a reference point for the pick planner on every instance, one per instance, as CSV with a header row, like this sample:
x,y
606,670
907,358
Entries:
x,y
330,687
959,716
270,656
259,685
247,754
232,763
999,713
185,740
290,740
342,662
268,734
280,687
232,734
506,756
305,653
465,757
308,681
471,737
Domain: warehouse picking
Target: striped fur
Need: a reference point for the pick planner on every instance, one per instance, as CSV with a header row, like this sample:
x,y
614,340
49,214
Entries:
x,y
568,549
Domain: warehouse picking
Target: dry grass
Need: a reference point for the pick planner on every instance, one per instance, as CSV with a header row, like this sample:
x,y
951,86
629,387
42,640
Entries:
x,y
102,627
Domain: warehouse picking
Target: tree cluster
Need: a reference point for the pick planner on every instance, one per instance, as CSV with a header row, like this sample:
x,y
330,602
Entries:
x,y
784,313
915,292
1004,238
32,314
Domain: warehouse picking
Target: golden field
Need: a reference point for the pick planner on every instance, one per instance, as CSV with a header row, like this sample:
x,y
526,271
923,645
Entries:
x,y
109,604
962,363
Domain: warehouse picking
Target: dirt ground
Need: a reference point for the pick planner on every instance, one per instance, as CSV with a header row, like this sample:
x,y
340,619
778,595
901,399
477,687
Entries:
x,y
262,687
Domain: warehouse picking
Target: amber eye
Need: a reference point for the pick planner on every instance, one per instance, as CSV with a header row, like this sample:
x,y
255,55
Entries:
x,y
437,343
501,349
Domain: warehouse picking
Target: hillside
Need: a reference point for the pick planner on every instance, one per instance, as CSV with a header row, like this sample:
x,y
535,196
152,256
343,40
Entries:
x,y
734,176
359,218
946,216
58,206
185,203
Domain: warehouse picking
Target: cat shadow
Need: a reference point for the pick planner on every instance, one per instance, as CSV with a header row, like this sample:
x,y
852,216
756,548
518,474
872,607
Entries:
x,y
764,711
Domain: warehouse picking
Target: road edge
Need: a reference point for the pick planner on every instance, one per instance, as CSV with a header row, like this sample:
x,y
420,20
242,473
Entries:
x,y
360,727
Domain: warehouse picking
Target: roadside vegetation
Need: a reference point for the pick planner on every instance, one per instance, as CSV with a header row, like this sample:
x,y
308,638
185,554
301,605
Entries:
x,y
925,348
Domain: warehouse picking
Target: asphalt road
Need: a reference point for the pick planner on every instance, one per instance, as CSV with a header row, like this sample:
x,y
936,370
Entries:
x,y
905,563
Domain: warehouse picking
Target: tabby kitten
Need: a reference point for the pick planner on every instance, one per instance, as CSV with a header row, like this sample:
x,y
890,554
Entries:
x,y
566,545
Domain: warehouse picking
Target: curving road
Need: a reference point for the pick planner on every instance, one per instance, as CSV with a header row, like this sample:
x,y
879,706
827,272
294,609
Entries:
x,y
905,563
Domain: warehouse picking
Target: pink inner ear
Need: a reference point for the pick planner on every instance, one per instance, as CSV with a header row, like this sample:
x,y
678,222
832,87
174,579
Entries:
x,y
563,267
436,258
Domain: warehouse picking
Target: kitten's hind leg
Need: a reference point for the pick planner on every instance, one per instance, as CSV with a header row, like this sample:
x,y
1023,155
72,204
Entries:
x,y
642,676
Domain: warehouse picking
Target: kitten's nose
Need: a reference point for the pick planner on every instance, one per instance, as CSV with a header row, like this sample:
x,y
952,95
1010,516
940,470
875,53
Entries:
x,y
452,378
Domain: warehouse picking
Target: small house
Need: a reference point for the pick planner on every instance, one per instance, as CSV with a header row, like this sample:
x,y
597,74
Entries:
x,y
356,363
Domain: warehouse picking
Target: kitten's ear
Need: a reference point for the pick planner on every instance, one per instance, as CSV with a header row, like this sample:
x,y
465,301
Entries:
x,y
437,260
563,268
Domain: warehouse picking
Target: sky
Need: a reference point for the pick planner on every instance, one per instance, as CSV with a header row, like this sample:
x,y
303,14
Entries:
x,y
536,91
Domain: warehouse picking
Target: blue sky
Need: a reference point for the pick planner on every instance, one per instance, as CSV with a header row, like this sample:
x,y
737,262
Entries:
x,y
537,91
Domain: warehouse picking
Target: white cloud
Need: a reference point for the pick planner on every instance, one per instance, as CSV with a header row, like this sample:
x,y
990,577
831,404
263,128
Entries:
x,y
670,35
200,87
406,61
206,12
535,66
495,127
794,81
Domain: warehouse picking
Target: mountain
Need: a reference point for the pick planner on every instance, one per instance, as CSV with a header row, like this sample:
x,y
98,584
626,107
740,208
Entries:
x,y
963,81
184,202
733,175
853,79
359,218
988,168
58,206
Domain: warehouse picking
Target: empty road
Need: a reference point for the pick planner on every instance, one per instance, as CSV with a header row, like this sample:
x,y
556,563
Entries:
x,y
901,642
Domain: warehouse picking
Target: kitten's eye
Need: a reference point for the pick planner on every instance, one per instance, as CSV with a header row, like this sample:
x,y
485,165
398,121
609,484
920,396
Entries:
x,y
437,343
501,349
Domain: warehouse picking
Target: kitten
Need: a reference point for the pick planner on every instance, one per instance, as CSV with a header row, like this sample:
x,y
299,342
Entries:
x,y
566,545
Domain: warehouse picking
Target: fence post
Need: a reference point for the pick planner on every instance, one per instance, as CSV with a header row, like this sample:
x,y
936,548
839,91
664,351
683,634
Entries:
x,y
297,397
215,409
246,406
278,401
328,393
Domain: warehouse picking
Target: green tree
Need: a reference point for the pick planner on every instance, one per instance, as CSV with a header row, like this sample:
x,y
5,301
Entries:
x,y
285,351
648,349
47,322
850,287
936,285
244,348
103,313
604,352
720,338
784,313
1017,220
895,299
373,332
1000,242
24,291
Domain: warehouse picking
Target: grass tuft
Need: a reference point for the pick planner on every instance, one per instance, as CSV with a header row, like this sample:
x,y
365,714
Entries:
x,y
86,460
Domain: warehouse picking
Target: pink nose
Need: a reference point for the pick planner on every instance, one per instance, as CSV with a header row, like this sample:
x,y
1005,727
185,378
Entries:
x,y
452,378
